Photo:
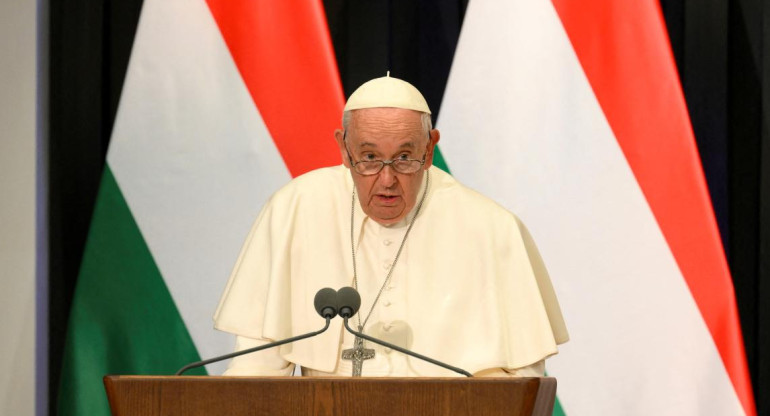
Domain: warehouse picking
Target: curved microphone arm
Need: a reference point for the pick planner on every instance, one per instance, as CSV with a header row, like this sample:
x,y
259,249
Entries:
x,y
255,349
404,350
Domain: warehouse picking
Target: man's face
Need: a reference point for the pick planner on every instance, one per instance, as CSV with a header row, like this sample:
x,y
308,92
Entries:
x,y
387,134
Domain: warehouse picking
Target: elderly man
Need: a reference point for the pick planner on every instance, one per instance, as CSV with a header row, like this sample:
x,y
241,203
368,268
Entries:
x,y
441,269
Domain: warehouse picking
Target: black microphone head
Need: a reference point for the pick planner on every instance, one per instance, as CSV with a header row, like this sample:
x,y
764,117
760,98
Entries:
x,y
326,302
348,301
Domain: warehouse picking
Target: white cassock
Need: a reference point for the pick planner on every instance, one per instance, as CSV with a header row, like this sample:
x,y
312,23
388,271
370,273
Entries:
x,y
469,288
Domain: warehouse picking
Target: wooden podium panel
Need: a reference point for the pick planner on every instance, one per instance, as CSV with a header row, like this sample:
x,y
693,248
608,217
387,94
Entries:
x,y
210,395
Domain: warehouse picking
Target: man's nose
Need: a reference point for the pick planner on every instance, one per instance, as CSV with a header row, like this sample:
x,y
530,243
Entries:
x,y
387,176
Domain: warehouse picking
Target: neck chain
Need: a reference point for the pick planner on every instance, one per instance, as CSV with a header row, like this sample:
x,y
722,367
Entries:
x,y
398,253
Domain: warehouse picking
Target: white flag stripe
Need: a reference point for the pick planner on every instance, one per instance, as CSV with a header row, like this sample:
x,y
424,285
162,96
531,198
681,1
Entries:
x,y
195,163
520,123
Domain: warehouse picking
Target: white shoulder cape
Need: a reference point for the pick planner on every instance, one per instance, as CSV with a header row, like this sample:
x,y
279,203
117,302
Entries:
x,y
484,296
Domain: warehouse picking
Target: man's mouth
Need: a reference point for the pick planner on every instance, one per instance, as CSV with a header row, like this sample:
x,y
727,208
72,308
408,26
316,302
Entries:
x,y
387,199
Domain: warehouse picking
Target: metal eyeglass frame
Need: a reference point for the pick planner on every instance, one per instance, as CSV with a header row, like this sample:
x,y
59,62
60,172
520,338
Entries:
x,y
383,163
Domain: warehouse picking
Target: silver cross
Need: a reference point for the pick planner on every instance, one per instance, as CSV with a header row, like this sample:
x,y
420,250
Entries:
x,y
358,354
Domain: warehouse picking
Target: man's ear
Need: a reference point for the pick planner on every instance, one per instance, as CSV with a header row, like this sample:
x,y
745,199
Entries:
x,y
433,139
339,137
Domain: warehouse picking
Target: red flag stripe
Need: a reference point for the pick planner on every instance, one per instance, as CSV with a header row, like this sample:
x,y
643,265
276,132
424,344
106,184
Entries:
x,y
624,51
284,54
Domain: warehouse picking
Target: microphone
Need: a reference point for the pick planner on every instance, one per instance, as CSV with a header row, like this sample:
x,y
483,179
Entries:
x,y
348,303
325,303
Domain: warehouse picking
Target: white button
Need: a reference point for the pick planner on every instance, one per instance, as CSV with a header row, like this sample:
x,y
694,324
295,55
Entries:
x,y
387,303
386,327
387,242
386,265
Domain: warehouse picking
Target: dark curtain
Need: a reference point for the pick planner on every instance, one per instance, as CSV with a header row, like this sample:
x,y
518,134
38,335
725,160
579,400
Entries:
x,y
719,48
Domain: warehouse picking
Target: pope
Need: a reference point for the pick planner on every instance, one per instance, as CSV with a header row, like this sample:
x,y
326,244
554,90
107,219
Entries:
x,y
441,269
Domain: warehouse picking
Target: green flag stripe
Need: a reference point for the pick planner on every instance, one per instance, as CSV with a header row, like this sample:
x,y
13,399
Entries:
x,y
123,318
557,409
440,162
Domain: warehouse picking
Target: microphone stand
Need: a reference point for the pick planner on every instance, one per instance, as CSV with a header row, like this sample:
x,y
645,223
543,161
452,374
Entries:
x,y
254,349
404,350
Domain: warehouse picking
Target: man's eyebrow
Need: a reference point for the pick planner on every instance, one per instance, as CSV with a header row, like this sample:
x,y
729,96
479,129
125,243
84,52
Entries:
x,y
409,145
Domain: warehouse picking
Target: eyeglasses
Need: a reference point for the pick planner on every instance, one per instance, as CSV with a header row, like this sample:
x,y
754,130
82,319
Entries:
x,y
373,167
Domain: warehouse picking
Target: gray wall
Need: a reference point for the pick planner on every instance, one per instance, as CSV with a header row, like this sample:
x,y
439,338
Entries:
x,y
17,206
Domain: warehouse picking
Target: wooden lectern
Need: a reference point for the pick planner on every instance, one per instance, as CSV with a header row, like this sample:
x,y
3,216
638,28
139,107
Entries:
x,y
202,395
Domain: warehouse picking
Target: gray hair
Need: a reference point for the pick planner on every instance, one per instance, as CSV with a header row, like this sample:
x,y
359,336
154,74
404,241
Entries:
x,y
427,124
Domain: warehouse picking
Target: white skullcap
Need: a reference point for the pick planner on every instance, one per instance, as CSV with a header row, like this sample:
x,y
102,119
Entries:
x,y
387,92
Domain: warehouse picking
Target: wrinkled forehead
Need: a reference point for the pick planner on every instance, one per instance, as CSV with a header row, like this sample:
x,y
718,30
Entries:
x,y
388,123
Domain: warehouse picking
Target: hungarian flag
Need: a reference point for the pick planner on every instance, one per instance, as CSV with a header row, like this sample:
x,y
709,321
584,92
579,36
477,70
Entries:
x,y
223,102
568,113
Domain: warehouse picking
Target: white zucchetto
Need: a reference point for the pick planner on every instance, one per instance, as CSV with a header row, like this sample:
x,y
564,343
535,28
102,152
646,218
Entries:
x,y
387,92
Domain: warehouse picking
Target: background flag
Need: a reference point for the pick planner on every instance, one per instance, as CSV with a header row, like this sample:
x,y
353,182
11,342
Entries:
x,y
224,101
574,119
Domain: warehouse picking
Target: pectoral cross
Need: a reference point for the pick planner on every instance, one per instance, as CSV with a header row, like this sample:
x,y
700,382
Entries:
x,y
358,354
